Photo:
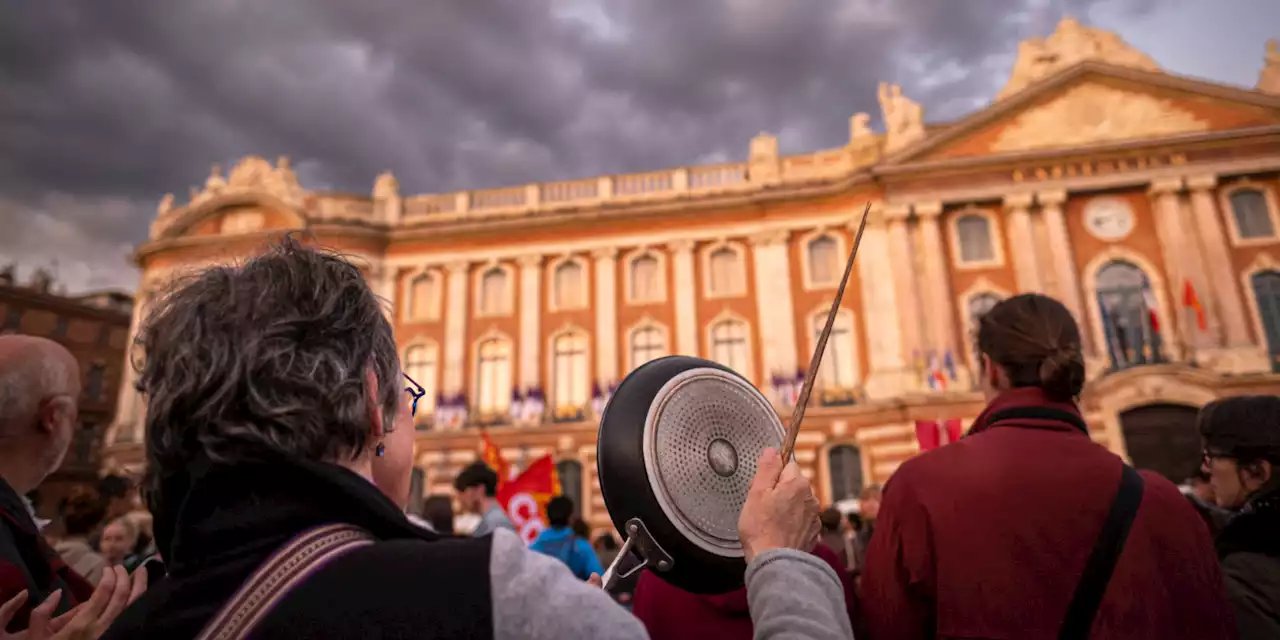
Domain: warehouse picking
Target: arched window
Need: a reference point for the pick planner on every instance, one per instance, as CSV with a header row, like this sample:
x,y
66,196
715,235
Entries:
x,y
645,282
93,382
570,286
838,365
726,272
1266,292
493,291
424,297
569,375
844,463
824,261
570,472
1130,319
729,345
647,343
1253,220
420,363
493,371
979,305
973,232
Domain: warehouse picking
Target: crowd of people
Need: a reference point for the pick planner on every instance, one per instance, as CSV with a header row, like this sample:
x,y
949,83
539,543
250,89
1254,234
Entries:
x,y
279,443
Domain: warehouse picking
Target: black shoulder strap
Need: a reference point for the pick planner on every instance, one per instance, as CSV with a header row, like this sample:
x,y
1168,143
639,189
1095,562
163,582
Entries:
x,y
1102,562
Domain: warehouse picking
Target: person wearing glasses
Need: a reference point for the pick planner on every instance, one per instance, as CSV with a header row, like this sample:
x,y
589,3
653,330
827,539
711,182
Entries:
x,y
280,448
1242,457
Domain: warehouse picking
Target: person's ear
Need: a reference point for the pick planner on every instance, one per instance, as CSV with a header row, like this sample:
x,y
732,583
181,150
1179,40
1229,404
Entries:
x,y
1255,475
372,406
53,412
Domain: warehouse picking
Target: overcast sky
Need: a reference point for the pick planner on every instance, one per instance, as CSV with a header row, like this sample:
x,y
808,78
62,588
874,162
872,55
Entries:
x,y
106,106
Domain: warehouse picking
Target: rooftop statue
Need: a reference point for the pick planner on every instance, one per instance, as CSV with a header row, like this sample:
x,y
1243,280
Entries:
x,y
1070,44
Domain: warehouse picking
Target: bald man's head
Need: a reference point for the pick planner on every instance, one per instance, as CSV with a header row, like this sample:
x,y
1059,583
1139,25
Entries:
x,y
39,386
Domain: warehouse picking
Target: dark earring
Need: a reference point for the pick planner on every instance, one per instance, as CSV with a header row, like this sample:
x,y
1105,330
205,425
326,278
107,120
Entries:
x,y
380,450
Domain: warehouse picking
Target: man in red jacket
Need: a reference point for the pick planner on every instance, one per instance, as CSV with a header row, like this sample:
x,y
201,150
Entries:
x,y
988,537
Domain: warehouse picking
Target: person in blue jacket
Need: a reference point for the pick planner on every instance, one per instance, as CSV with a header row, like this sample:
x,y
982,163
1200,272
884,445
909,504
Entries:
x,y
559,541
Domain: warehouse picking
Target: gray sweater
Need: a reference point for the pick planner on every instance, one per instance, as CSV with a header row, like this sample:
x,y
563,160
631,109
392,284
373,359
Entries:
x,y
792,595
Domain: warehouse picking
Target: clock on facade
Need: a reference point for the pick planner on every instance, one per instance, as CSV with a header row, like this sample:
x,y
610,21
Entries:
x,y
1108,218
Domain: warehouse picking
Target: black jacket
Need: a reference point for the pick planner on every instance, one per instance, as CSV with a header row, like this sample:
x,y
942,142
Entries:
x,y
217,524
1249,547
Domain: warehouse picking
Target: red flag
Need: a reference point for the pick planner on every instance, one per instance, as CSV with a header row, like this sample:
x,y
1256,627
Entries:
x,y
525,498
954,429
1150,300
928,435
1192,301
492,456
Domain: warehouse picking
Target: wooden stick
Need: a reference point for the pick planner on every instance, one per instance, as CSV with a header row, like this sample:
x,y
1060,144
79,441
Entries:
x,y
793,431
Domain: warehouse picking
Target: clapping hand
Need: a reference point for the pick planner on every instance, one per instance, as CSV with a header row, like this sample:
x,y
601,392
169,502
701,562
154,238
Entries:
x,y
116,590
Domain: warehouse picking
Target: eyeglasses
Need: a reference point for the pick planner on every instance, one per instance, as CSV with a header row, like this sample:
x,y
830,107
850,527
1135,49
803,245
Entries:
x,y
1207,456
415,392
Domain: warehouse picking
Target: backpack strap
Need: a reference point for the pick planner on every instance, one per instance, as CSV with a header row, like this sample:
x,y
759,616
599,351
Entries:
x,y
1102,561
285,569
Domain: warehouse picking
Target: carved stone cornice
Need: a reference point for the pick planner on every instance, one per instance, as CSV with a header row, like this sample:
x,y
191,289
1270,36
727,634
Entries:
x,y
771,237
1164,186
1055,198
1203,182
1018,201
682,245
931,209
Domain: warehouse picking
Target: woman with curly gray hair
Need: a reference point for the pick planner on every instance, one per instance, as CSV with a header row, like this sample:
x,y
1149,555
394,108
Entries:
x,y
280,447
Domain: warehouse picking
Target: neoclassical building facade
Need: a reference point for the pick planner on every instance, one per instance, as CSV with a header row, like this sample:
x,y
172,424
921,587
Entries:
x,y
1146,201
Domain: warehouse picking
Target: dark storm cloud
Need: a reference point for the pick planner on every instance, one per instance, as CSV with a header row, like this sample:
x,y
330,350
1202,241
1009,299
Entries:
x,y
108,105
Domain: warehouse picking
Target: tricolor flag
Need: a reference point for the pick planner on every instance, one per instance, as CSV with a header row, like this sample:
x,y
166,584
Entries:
x,y
534,405
517,410
949,364
937,381
597,399
1192,301
1149,299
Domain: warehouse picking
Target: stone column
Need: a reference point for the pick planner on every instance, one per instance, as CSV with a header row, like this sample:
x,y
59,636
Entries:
x,y
455,329
530,314
903,273
1221,297
880,317
775,310
685,298
383,282
1022,244
936,285
1062,257
1177,265
606,281
127,426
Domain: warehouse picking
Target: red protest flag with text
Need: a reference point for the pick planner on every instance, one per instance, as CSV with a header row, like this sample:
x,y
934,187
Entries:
x,y
492,456
525,498
1192,301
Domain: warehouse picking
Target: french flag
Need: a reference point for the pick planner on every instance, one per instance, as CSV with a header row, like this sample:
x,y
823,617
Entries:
x,y
1149,299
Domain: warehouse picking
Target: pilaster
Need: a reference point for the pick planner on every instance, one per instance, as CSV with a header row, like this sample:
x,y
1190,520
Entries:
x,y
455,329
685,301
903,273
1022,244
606,303
1062,258
774,307
1179,267
880,320
1224,302
936,285
530,315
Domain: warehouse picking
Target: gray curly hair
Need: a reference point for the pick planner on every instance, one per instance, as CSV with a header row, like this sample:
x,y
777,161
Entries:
x,y
270,356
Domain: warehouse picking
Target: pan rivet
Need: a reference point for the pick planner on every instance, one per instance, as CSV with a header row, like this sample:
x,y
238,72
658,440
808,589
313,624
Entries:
x,y
633,529
722,457
663,565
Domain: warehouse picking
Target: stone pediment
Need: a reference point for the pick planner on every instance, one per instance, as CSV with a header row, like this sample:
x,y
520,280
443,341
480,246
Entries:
x,y
1094,113
1095,104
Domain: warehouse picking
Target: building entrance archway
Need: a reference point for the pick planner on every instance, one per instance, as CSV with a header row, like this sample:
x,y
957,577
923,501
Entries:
x,y
1163,438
